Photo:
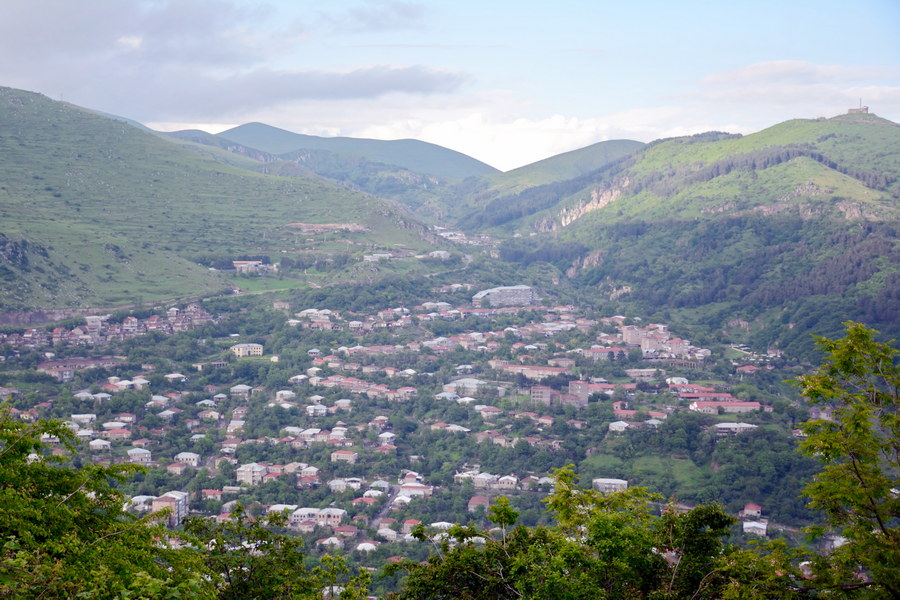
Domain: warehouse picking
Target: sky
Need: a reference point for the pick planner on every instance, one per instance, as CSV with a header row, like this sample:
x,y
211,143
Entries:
x,y
508,83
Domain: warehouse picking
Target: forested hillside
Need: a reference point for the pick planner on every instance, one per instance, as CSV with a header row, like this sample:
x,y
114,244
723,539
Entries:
x,y
768,236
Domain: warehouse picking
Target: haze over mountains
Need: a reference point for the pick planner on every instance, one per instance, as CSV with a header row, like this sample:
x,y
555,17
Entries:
x,y
772,235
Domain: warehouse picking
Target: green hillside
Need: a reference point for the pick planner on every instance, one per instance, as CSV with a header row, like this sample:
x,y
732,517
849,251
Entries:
x,y
414,155
568,165
504,198
94,212
773,235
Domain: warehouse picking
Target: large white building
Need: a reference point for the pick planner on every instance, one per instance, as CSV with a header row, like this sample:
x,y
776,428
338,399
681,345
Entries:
x,y
607,485
510,295
244,350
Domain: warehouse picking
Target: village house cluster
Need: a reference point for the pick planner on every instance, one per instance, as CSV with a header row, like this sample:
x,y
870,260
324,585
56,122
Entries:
x,y
331,447
99,330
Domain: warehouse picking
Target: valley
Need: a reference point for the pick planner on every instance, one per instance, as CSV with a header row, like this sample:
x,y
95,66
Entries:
x,y
384,350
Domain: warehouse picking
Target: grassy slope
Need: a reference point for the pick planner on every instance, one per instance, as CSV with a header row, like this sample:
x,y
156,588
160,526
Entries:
x,y
119,211
864,142
563,166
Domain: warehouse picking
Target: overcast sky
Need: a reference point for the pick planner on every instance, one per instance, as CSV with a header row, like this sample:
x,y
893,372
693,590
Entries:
x,y
506,82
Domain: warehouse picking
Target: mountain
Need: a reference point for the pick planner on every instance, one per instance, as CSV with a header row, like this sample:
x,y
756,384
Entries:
x,y
96,212
771,236
414,155
415,174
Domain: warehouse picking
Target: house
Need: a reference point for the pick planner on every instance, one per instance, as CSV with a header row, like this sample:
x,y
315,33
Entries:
x,y
189,458
387,437
211,494
751,511
476,501
176,502
618,426
759,528
714,407
508,482
245,350
176,468
608,485
484,481
415,490
332,543
317,410
330,517
99,445
139,456
337,486
84,419
344,456
409,525
346,531
251,474
723,429
241,390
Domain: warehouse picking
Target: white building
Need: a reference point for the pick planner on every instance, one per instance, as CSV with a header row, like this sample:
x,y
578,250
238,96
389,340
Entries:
x,y
606,485
99,445
140,456
513,295
177,502
251,474
189,458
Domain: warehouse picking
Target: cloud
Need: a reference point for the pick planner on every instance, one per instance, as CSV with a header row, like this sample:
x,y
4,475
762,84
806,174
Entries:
x,y
379,15
779,90
194,32
797,72
179,94
187,59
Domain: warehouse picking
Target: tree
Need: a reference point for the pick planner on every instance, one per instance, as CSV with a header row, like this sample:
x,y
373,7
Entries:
x,y
859,383
65,532
252,560
603,546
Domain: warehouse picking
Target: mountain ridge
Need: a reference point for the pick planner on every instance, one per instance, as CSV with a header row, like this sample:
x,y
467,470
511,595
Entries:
x,y
414,155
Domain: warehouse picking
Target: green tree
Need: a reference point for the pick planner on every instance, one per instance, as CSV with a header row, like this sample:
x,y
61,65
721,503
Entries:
x,y
251,559
859,382
65,533
603,546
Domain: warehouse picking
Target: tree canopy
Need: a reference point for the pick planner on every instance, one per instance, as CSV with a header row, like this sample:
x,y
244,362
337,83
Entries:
x,y
66,534
858,441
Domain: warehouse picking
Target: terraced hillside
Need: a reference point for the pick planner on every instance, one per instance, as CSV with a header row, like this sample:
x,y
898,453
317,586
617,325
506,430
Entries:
x,y
96,212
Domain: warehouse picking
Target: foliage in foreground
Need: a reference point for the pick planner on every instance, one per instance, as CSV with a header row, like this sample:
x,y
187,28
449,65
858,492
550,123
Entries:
x,y
65,534
602,547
